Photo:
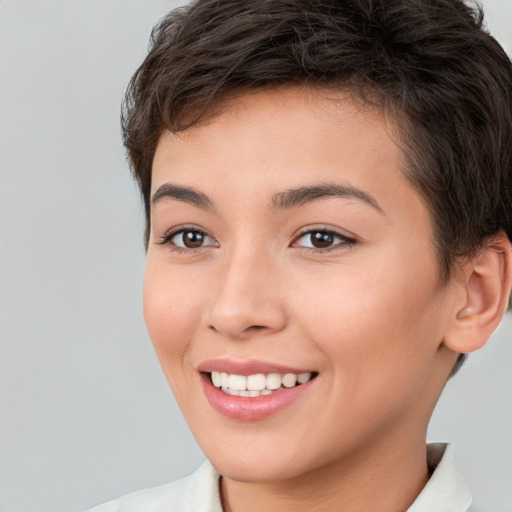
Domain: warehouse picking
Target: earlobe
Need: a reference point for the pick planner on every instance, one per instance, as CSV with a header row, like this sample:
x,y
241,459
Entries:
x,y
486,281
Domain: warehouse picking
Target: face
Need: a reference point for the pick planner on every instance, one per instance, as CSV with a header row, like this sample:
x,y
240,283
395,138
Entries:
x,y
288,251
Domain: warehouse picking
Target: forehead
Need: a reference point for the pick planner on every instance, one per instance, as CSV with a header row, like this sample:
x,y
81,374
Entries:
x,y
259,144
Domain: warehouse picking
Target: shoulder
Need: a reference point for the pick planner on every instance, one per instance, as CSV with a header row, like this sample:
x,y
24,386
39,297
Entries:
x,y
198,492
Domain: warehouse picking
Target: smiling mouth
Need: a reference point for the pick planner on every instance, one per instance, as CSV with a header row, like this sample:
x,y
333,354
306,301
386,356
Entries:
x,y
259,384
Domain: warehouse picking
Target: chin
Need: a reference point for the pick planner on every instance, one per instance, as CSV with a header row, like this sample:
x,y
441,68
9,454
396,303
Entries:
x,y
256,472
268,462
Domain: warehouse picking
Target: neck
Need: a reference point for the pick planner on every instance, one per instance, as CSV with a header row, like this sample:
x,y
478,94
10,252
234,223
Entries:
x,y
388,480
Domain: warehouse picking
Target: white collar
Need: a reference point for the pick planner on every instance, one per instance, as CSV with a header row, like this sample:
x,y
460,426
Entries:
x,y
446,490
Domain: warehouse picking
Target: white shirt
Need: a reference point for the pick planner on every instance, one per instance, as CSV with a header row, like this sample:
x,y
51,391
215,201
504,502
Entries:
x,y
446,491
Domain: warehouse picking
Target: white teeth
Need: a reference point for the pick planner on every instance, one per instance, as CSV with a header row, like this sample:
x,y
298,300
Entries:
x,y
273,381
289,380
217,382
258,384
302,378
237,382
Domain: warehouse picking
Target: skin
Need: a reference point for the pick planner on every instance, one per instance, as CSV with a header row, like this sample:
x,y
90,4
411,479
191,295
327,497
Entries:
x,y
370,317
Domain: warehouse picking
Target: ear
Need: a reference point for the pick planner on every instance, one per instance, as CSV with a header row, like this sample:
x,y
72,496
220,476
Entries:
x,y
485,282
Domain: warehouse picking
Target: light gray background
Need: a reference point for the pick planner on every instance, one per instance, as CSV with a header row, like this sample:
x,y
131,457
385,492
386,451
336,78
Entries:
x,y
85,412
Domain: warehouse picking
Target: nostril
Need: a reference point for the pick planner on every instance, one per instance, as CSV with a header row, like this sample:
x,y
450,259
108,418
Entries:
x,y
252,329
240,318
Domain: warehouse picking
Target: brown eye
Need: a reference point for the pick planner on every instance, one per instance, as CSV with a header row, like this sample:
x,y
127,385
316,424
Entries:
x,y
188,239
192,239
321,239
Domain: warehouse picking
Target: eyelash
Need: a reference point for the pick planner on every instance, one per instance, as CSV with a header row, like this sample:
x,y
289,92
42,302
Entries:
x,y
166,239
345,240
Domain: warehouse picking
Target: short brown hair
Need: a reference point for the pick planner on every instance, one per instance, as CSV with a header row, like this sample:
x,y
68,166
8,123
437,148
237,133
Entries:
x,y
430,64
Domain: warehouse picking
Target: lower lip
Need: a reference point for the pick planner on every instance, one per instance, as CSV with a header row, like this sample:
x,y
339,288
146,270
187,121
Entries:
x,y
252,408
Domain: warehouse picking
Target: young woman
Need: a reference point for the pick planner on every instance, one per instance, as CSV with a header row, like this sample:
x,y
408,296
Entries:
x,y
328,201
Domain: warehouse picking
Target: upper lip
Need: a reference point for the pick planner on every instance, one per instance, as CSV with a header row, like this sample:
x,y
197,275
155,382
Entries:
x,y
249,367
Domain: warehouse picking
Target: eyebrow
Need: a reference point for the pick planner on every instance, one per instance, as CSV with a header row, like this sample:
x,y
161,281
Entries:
x,y
282,200
185,194
302,195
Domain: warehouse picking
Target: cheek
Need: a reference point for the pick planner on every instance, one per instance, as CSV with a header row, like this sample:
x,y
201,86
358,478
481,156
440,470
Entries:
x,y
377,325
171,313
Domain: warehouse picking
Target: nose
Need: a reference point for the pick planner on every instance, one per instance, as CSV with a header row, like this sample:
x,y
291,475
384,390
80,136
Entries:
x,y
246,300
